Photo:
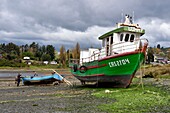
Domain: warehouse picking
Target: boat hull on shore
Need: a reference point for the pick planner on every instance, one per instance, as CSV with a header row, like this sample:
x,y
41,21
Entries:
x,y
41,80
116,70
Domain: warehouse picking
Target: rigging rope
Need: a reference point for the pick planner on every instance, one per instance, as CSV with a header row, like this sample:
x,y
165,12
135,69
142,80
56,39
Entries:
x,y
141,73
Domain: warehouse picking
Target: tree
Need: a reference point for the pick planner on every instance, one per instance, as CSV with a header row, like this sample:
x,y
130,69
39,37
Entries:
x,y
28,54
76,51
158,46
21,49
56,56
68,55
11,47
11,51
43,49
40,52
2,48
51,51
26,48
63,55
33,48
46,57
38,55
168,53
150,55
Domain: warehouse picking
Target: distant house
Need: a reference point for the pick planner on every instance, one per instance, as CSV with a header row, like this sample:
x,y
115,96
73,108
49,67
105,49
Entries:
x,y
26,58
45,62
160,59
53,62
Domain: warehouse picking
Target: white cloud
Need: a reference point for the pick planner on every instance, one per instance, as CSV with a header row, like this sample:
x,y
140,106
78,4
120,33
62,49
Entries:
x,y
157,31
59,37
85,39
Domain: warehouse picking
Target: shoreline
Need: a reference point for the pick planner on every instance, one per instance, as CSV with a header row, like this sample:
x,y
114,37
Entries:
x,y
31,69
63,98
7,73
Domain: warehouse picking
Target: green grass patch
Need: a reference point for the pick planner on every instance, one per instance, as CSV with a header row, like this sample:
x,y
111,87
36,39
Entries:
x,y
165,76
135,100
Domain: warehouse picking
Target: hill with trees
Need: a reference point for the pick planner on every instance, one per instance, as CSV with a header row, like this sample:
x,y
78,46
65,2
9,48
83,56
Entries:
x,y
12,55
158,51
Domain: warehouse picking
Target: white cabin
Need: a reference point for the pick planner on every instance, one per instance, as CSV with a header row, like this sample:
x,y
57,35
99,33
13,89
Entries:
x,y
125,38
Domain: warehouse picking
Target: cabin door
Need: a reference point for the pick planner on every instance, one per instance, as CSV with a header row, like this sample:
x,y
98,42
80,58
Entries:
x,y
109,42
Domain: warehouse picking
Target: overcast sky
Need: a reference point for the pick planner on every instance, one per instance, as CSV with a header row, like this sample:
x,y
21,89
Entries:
x,y
66,22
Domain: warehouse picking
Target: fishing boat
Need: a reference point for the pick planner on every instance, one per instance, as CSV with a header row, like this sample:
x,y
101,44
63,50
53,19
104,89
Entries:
x,y
116,62
49,79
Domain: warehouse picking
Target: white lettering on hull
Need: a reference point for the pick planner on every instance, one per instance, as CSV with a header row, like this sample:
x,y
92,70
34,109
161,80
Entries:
x,y
119,63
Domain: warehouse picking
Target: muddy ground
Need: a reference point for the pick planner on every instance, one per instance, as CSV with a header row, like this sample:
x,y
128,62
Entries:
x,y
51,99
47,98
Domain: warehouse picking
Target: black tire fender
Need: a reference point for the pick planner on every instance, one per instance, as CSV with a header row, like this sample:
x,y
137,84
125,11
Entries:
x,y
83,69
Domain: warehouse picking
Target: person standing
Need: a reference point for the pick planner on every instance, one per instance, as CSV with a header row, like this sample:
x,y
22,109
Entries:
x,y
18,79
35,74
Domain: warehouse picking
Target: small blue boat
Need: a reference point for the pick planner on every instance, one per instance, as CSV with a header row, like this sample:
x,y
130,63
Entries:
x,y
42,80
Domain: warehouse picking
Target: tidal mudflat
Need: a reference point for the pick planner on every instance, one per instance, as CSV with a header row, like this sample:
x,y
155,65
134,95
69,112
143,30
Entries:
x,y
77,99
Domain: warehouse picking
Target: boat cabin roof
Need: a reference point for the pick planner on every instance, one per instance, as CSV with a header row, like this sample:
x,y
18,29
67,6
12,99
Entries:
x,y
123,29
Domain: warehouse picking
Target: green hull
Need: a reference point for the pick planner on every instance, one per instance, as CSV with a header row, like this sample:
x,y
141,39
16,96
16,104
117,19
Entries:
x,y
119,69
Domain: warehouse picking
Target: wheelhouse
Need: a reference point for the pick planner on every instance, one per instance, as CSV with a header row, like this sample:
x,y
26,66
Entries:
x,y
125,38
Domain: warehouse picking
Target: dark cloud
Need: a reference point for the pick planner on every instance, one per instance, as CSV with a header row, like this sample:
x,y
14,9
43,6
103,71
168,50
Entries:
x,y
65,22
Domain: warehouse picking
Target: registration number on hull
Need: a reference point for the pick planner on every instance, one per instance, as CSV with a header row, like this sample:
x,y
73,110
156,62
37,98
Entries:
x,y
119,63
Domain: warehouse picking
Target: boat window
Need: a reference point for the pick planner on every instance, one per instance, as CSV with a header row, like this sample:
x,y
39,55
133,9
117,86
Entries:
x,y
103,42
126,37
107,39
111,40
132,38
121,37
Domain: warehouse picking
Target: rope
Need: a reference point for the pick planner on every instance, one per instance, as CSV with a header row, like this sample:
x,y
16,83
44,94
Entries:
x,y
141,73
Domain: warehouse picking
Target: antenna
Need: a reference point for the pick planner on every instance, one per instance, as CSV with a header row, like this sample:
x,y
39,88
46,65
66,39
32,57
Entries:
x,y
122,16
133,17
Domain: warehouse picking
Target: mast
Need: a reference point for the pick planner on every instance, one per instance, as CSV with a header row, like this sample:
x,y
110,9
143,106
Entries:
x,y
122,16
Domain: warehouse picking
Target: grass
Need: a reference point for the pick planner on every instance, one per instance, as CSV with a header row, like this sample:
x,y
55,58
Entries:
x,y
158,71
135,100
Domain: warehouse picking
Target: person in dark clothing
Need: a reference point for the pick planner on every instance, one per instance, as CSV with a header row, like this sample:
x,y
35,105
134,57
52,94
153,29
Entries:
x,y
35,74
18,79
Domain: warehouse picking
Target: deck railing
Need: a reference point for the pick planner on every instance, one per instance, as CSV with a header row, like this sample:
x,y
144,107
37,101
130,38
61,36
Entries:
x,y
112,50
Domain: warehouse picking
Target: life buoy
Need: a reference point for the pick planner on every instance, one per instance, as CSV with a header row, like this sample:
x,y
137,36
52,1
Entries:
x,y
75,68
83,69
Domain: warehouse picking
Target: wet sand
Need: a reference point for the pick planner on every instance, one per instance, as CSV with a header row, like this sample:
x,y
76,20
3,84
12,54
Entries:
x,y
46,98
53,99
